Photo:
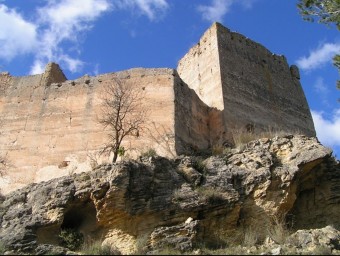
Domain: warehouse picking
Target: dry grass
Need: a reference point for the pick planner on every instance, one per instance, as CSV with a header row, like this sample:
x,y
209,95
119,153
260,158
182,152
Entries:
x,y
2,248
242,137
212,195
142,244
168,251
150,152
217,150
322,250
278,230
97,248
94,159
178,195
251,237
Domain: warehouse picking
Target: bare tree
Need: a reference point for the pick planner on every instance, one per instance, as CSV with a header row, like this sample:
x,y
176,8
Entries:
x,y
123,114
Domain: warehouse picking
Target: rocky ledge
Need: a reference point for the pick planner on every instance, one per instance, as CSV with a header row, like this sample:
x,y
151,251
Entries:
x,y
278,193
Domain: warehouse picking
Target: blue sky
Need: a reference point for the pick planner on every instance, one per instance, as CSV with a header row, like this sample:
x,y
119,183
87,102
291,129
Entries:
x,y
99,36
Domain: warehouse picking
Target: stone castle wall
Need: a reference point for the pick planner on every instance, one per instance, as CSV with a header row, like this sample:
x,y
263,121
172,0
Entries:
x,y
253,88
47,123
223,84
200,69
259,87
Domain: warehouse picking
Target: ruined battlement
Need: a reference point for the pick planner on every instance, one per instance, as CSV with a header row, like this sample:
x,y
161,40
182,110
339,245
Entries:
x,y
224,84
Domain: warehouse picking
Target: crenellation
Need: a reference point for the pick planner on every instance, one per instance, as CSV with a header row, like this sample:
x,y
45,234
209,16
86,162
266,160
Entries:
x,y
294,70
52,74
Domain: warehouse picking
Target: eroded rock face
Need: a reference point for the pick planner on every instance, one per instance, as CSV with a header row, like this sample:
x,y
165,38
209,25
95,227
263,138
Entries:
x,y
309,239
200,199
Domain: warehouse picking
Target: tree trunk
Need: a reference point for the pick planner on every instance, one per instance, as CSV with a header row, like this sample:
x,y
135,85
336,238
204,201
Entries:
x,y
115,156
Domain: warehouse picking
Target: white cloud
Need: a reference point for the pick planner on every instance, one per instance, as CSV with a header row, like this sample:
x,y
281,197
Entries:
x,y
96,69
67,14
320,86
64,21
61,23
17,36
37,67
327,129
319,56
218,8
72,64
322,91
153,9
247,3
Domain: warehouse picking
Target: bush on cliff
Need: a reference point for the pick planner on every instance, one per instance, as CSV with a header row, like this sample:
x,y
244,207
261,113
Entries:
x,y
71,238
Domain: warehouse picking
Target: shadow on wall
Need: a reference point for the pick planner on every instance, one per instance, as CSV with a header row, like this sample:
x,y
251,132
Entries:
x,y
163,137
198,127
202,129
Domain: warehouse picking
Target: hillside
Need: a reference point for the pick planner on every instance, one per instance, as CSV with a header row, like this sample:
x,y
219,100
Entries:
x,y
277,196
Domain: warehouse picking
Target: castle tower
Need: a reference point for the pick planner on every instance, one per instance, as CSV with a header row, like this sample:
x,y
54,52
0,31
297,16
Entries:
x,y
254,88
225,84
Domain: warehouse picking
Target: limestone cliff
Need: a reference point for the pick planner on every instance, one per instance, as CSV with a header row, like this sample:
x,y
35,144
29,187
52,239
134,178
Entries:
x,y
184,202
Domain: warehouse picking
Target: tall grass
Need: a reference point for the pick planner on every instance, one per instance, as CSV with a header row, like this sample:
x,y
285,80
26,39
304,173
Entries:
x,y
278,230
97,248
242,137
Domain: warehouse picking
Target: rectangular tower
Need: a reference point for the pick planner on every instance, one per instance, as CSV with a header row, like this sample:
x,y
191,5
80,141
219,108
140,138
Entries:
x,y
255,89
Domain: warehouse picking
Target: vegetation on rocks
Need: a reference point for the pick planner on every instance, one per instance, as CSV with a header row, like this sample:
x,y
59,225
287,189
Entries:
x,y
222,204
71,239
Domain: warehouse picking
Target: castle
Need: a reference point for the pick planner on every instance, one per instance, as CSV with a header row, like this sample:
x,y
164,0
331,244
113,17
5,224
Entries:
x,y
225,83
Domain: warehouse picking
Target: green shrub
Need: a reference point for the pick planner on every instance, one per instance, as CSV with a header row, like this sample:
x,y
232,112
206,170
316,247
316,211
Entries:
x,y
121,151
199,165
322,250
71,239
2,248
212,195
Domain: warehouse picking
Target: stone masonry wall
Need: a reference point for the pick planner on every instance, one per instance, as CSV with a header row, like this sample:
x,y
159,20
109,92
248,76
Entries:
x,y
225,83
259,88
200,69
51,128
253,88
191,120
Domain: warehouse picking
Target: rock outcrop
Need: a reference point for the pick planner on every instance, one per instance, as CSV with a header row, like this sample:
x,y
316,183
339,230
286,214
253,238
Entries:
x,y
184,202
